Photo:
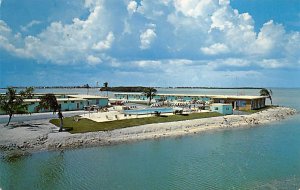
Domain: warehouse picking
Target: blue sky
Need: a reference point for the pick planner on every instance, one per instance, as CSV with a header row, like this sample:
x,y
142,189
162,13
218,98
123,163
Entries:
x,y
152,43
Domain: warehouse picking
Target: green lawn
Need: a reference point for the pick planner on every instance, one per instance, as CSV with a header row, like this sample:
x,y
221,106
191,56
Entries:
x,y
86,125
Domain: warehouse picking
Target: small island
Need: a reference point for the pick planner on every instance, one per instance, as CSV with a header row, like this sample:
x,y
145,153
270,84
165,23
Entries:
x,y
129,117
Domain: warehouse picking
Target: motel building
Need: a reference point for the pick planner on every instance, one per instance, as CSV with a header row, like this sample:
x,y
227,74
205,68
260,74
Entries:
x,y
225,109
242,103
67,102
135,96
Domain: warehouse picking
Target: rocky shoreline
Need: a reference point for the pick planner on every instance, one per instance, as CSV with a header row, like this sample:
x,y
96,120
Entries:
x,y
25,138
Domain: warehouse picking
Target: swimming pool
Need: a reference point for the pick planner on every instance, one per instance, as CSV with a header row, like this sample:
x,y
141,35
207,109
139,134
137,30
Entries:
x,y
149,111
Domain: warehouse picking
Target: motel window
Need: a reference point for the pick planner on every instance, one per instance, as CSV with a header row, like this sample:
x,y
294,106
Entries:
x,y
72,102
241,103
227,108
32,103
65,102
216,108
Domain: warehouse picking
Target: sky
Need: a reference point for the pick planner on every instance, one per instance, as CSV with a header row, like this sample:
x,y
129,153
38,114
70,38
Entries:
x,y
165,43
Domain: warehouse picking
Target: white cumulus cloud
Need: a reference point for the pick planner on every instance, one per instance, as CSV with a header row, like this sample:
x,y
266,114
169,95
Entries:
x,y
132,7
63,43
93,60
270,38
180,29
214,49
29,25
195,8
106,44
147,38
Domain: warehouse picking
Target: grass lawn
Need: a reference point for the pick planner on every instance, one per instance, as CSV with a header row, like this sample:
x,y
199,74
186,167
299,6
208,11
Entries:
x,y
86,125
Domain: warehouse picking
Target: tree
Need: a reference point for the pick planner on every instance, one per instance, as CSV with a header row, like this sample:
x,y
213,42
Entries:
x,y
87,86
105,88
149,93
49,101
105,85
13,103
266,92
27,93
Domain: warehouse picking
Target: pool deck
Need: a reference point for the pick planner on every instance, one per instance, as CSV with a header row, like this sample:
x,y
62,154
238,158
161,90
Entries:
x,y
110,116
116,115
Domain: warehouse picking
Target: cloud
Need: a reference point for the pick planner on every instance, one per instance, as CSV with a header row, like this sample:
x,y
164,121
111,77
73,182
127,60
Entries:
x,y
270,38
91,4
147,38
224,2
29,25
147,63
196,31
106,44
214,49
4,29
220,29
63,43
272,63
92,60
195,8
230,62
132,7
198,72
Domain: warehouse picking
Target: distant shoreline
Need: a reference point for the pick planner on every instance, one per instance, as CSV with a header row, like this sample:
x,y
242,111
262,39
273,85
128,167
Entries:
x,y
41,135
178,87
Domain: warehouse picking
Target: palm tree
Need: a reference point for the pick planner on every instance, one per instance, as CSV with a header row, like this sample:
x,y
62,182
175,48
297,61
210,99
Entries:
x,y
266,92
49,101
13,103
105,85
149,93
87,86
105,88
27,93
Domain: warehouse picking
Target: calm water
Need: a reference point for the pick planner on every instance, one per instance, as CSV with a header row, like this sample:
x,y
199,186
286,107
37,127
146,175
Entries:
x,y
254,158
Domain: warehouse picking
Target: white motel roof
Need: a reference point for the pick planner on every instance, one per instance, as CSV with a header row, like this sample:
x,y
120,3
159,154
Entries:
x,y
58,99
220,104
238,97
83,96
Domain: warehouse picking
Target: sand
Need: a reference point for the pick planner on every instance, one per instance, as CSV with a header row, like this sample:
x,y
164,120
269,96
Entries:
x,y
33,136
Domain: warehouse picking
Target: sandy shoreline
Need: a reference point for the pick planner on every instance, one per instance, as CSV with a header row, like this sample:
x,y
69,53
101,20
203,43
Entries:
x,y
40,135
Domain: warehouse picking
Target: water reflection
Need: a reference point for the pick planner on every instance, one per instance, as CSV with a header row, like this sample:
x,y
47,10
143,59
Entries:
x,y
39,171
51,171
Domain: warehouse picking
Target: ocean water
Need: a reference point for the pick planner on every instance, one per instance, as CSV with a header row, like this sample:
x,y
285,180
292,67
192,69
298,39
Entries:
x,y
266,157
